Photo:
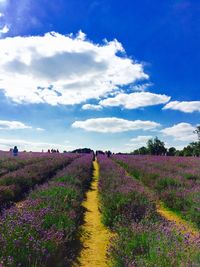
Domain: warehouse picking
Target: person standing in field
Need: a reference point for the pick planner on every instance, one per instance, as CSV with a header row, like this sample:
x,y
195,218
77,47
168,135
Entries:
x,y
108,153
11,151
93,156
15,151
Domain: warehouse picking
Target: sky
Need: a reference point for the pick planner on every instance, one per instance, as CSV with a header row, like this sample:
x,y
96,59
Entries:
x,y
104,74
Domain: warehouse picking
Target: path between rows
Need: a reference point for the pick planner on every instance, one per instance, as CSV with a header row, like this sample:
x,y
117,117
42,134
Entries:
x,y
179,224
95,236
20,205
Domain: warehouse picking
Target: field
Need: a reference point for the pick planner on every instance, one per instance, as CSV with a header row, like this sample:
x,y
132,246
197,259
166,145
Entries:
x,y
174,180
122,211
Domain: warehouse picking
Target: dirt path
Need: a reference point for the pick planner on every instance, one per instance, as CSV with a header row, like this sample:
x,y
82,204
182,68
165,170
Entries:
x,y
180,224
95,237
20,205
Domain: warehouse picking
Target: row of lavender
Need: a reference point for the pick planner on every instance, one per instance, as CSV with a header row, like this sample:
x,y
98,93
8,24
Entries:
x,y
15,184
143,238
175,180
41,232
9,163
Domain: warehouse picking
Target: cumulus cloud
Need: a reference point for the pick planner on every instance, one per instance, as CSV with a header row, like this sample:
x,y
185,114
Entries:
x,y
184,106
6,144
91,107
13,125
181,131
58,69
16,125
114,125
135,100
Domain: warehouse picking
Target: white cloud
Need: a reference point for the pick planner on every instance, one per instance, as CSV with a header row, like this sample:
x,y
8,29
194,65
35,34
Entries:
x,y
81,36
1,15
40,129
91,107
13,125
16,125
135,100
181,131
141,87
58,69
184,106
114,125
139,141
4,30
6,144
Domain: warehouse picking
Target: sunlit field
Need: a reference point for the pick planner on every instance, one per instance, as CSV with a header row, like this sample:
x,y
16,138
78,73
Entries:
x,y
77,210
99,133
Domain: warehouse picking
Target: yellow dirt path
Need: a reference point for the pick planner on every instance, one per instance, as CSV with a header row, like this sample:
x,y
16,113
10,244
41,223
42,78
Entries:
x,y
180,224
95,237
183,226
20,205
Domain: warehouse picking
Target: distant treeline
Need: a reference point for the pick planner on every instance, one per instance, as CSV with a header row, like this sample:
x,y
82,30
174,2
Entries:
x,y
157,147
83,150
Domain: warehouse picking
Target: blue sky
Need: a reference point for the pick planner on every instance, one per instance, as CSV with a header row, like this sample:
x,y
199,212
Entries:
x,y
102,74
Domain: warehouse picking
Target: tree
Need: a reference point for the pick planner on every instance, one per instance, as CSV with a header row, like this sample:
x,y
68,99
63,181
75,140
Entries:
x,y
195,146
188,151
179,153
141,151
156,147
197,131
83,150
171,151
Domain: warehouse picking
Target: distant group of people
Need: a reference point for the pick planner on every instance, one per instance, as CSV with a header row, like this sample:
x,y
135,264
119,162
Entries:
x,y
99,152
14,151
53,151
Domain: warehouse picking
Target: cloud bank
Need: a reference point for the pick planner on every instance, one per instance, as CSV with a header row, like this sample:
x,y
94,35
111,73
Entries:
x,y
114,125
58,69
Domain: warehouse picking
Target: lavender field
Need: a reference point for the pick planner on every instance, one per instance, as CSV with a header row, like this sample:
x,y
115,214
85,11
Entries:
x,y
43,215
174,180
99,133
